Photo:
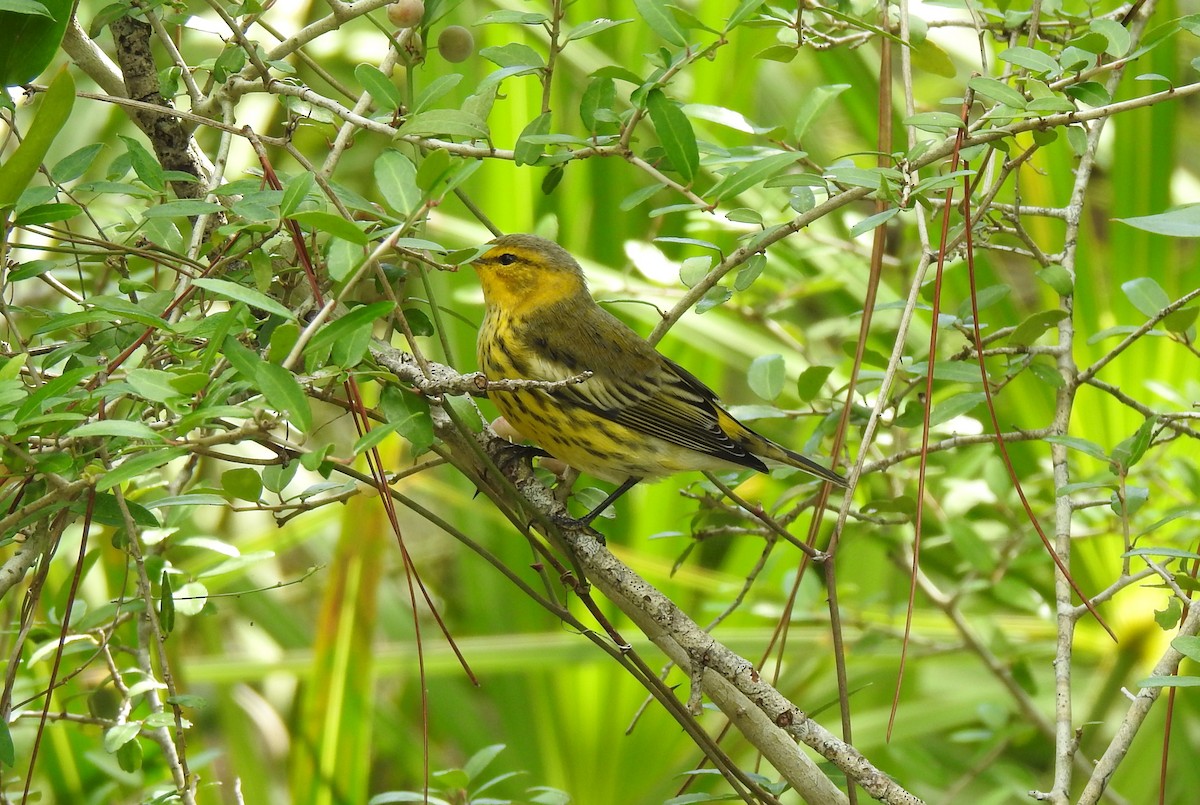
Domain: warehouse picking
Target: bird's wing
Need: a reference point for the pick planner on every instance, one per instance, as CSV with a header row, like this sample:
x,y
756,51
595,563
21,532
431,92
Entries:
x,y
632,385
658,398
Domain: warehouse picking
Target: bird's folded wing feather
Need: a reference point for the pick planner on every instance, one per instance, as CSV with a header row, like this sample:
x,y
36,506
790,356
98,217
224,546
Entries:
x,y
662,400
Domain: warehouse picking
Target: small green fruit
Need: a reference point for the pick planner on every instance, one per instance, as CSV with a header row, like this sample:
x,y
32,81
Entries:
x,y
456,43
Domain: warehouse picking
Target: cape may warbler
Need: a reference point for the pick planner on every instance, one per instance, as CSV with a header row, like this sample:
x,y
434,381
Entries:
x,y
638,416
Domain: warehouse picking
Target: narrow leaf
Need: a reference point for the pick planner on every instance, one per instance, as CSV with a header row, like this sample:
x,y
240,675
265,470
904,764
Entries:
x,y
330,224
1180,223
1033,60
675,133
18,170
754,173
658,16
240,293
385,94
283,392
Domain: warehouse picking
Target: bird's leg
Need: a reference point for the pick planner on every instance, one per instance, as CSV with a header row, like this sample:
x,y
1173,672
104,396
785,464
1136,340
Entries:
x,y
625,486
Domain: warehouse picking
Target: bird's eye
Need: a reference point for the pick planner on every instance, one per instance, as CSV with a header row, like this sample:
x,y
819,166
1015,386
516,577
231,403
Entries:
x,y
507,259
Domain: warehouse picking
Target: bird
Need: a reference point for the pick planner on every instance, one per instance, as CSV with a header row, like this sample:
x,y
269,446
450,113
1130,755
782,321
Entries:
x,y
634,414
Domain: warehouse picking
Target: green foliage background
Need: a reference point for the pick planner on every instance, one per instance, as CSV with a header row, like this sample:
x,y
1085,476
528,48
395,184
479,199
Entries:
x,y
293,636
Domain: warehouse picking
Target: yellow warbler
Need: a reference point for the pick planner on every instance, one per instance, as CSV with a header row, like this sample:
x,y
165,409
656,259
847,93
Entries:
x,y
638,416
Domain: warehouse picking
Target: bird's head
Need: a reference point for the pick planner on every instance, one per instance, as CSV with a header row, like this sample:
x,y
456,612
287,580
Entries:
x,y
524,272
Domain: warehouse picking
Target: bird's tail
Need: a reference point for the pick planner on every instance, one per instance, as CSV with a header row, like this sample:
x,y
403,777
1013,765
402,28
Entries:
x,y
776,452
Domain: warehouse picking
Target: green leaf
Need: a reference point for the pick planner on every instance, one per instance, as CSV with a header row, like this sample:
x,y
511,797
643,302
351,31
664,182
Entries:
x,y
295,193
1168,616
1052,105
1057,278
657,15
122,310
1032,60
385,94
997,91
1115,33
955,406
949,371
409,413
984,298
872,221
750,272
47,214
240,293
1146,295
1130,451
373,437
479,761
25,7
1181,223
396,178
514,54
811,381
1173,553
526,152
434,168
8,752
282,391
75,164
1085,446
858,177
153,384
928,57
505,17
437,89
597,109
1032,328
784,54
694,269
1182,320
745,215
181,208
121,734
594,27
766,376
18,170
1188,646
1092,93
1135,498
444,122
242,483
742,13
1170,682
29,36
166,604
120,428
138,465
358,319
145,165
639,196
936,122
753,174
330,224
675,133
1073,59
815,100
